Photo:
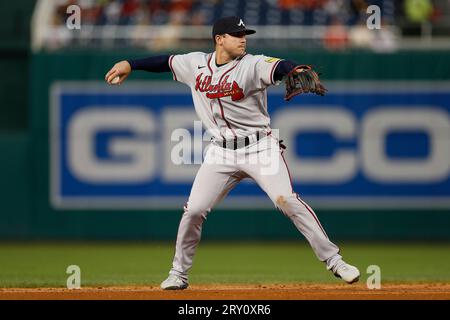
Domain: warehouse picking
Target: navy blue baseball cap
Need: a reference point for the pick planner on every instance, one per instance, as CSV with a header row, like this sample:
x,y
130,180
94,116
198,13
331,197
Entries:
x,y
229,25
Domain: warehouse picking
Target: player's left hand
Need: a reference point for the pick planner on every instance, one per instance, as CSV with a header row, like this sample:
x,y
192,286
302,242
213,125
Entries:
x,y
303,79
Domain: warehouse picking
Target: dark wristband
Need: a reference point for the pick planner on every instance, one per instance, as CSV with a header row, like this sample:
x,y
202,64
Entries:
x,y
283,68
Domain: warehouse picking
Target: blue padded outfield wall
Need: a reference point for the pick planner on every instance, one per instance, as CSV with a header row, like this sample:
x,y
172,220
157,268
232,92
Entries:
x,y
366,145
372,156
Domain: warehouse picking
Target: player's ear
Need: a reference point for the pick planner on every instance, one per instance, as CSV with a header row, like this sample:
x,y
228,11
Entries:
x,y
218,39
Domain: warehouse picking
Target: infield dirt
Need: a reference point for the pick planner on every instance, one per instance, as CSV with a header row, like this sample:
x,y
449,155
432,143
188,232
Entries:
x,y
392,291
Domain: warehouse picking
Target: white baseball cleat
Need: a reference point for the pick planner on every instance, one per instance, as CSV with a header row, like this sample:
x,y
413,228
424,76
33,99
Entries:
x,y
174,282
346,272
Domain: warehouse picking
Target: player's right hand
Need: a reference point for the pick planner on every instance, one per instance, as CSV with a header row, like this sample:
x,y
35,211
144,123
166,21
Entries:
x,y
121,69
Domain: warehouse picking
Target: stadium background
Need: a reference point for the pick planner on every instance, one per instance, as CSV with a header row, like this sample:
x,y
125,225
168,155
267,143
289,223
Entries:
x,y
29,71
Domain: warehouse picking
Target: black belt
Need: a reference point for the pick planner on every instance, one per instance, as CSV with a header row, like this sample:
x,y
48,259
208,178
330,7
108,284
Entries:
x,y
241,142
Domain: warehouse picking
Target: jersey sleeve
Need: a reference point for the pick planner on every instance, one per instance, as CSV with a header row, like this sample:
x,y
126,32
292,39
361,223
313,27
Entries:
x,y
264,71
182,66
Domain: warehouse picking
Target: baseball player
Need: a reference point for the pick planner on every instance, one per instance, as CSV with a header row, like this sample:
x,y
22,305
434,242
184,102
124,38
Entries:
x,y
229,92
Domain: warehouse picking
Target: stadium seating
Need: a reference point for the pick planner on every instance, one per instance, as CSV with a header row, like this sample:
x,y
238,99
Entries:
x,y
254,12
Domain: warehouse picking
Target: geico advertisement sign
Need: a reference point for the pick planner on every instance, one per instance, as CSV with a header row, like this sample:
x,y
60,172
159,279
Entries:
x,y
351,144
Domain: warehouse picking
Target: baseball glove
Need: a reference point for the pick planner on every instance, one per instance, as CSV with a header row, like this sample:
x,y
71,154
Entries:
x,y
305,81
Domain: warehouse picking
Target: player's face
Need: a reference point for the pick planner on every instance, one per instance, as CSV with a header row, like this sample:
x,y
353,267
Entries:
x,y
234,44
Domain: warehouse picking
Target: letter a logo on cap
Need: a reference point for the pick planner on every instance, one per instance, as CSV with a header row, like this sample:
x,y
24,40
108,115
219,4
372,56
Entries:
x,y
241,23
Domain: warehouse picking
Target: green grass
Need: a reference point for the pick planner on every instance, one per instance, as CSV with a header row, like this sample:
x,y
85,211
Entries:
x,y
44,265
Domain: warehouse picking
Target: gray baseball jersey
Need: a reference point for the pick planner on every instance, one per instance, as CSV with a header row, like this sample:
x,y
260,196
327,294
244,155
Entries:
x,y
231,100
